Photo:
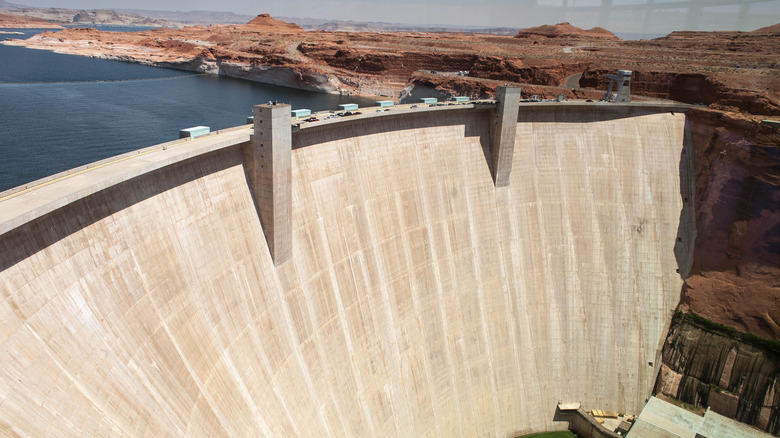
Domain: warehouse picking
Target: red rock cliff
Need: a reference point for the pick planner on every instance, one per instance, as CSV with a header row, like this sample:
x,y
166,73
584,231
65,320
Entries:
x,y
735,278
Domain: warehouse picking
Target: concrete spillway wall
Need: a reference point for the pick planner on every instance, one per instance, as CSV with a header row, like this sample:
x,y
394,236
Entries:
x,y
420,299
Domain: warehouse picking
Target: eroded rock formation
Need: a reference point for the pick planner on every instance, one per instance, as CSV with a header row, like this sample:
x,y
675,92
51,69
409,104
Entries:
x,y
706,368
732,71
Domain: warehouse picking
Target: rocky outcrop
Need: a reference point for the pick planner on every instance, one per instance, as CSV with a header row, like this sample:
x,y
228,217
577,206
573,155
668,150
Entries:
x,y
709,369
694,88
445,87
514,70
286,77
682,87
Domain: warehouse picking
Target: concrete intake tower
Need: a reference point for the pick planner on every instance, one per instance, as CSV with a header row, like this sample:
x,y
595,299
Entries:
x,y
438,271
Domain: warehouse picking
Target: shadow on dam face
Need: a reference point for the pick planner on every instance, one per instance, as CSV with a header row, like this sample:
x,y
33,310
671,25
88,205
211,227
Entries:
x,y
419,300
471,126
686,230
26,241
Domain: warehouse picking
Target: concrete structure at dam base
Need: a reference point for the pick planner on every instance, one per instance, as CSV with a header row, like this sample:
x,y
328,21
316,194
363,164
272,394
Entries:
x,y
662,419
418,291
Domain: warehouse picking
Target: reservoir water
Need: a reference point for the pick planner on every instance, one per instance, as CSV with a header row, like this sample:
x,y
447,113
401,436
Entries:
x,y
59,111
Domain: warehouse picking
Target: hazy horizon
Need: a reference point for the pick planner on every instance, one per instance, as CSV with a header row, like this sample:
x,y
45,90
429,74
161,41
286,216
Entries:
x,y
640,16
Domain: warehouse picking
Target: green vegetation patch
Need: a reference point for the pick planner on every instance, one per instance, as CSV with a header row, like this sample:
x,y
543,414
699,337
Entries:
x,y
758,341
561,434
714,327
679,403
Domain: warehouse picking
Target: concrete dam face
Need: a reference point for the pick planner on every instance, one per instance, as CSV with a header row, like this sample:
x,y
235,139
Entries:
x,y
419,300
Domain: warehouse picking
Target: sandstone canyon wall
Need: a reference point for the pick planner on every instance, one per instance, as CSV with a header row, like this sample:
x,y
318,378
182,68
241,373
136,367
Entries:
x,y
715,369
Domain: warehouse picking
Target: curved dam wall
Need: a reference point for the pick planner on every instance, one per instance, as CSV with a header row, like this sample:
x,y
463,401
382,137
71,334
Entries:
x,y
420,300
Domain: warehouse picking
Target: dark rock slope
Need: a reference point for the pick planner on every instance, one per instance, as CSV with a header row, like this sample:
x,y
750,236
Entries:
x,y
703,367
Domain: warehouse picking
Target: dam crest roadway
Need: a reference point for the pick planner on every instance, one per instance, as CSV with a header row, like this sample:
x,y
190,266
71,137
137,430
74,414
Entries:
x,y
423,290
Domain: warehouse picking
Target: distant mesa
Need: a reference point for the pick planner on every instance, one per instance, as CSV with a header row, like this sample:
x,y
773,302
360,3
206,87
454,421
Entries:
x,y
769,30
266,23
697,35
52,18
9,21
565,30
96,16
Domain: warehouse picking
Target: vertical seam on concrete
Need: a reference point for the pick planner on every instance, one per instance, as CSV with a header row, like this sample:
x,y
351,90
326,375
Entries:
x,y
476,263
250,303
72,380
626,251
628,247
504,216
508,288
319,346
257,417
573,311
521,297
389,339
541,367
398,371
414,289
436,270
272,377
459,341
356,378
201,392
645,294
350,154
295,347
174,341
594,149
359,378
228,360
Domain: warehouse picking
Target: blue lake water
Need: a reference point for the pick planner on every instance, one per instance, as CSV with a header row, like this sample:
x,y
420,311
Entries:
x,y
61,111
